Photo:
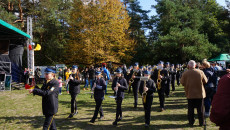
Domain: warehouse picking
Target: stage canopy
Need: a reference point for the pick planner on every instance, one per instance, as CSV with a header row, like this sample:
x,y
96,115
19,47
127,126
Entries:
x,y
12,42
221,57
8,31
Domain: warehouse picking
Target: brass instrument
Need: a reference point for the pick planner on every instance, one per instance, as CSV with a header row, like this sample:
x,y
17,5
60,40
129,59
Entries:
x,y
144,94
132,79
159,80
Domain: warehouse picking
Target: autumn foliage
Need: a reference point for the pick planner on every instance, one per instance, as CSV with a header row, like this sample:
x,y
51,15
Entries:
x,y
99,33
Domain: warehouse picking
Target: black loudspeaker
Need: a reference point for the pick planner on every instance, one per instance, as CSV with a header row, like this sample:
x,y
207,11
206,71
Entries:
x,y
2,81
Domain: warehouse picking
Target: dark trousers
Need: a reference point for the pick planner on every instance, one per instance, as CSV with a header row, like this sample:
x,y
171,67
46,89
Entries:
x,y
118,111
173,84
167,87
135,92
49,123
161,96
178,80
208,99
199,104
73,102
98,108
147,107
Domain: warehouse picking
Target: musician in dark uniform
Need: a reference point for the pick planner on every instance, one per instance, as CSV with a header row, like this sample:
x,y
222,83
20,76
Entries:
x,y
98,88
149,89
135,76
172,74
128,77
119,85
160,77
74,89
178,74
49,92
167,88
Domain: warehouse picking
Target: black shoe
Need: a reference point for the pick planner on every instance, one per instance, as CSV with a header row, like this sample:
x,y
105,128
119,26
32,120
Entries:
x,y
119,119
92,121
115,123
70,116
146,125
102,117
135,105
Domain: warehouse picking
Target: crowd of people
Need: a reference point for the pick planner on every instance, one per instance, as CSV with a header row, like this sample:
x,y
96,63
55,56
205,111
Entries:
x,y
200,82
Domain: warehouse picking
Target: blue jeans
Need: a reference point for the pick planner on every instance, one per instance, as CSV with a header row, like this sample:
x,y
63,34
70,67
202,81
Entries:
x,y
67,87
86,83
60,88
106,86
91,83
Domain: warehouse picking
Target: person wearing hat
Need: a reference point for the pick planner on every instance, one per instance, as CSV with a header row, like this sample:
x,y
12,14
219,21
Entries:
x,y
178,74
74,89
167,89
149,89
98,88
49,92
160,77
135,76
119,85
128,77
106,75
172,73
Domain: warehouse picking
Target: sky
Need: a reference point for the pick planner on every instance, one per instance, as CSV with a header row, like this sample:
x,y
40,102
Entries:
x,y
146,5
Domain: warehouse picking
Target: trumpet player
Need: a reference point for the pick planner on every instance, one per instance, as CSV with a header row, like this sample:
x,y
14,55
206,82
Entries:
x,y
136,74
160,77
119,85
172,72
98,88
148,88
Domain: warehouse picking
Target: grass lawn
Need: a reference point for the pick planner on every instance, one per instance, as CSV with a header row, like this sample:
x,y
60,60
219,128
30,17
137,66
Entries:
x,y
20,110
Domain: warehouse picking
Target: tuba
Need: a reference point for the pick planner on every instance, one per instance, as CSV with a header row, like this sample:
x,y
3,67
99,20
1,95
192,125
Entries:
x,y
159,80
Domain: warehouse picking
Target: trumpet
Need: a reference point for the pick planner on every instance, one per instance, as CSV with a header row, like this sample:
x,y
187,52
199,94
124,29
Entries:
x,y
159,80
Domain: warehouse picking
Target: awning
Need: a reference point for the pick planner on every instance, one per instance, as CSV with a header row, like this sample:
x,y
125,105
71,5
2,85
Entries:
x,y
221,57
8,31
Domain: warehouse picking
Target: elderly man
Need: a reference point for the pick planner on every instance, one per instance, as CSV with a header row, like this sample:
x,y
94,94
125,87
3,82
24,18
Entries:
x,y
193,81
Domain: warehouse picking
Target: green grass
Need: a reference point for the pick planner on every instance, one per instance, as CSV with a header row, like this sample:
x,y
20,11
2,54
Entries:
x,y
20,110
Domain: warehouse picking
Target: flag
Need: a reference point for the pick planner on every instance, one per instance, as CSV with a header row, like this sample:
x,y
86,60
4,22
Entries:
x,y
38,47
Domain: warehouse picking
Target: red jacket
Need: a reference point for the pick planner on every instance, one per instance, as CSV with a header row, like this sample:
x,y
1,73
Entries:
x,y
220,112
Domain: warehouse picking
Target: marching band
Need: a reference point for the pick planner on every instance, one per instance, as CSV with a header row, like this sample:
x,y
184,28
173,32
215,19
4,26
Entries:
x,y
144,80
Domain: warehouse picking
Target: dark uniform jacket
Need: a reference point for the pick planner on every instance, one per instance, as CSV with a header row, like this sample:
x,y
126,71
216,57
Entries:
x,y
99,89
138,74
163,73
74,85
124,86
49,92
172,73
150,85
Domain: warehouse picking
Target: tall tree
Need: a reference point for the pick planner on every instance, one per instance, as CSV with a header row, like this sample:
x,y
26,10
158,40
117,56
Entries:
x,y
99,33
138,26
181,36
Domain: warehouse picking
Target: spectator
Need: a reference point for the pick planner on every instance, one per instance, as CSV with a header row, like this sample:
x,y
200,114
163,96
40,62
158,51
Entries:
x,y
37,74
26,74
86,76
68,72
193,80
60,74
91,76
209,87
220,112
65,70
60,84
